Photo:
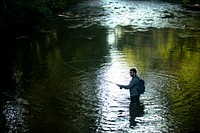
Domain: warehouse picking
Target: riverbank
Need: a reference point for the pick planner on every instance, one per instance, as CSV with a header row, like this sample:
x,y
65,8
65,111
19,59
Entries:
x,y
193,7
18,17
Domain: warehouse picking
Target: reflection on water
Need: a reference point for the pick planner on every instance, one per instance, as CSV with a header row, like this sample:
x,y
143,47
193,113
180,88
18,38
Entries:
x,y
135,110
69,88
62,80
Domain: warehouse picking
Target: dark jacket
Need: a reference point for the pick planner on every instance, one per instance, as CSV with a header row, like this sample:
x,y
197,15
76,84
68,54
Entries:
x,y
133,85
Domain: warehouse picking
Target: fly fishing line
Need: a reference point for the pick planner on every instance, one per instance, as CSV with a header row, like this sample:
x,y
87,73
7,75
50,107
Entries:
x,y
82,71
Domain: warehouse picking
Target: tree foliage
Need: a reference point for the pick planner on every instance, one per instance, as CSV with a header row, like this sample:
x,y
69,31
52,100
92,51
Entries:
x,y
39,7
19,11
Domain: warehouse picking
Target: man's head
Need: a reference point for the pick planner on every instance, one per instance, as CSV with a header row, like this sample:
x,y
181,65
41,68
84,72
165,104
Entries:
x,y
133,72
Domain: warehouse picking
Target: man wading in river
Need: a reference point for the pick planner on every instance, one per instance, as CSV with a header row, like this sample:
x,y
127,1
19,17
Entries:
x,y
133,85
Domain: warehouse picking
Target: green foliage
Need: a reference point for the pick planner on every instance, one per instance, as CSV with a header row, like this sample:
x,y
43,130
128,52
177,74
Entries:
x,y
32,8
14,12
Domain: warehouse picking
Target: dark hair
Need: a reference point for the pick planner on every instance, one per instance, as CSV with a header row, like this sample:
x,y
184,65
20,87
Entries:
x,y
133,70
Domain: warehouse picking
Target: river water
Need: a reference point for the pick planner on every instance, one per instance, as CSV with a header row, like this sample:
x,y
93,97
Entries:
x,y
62,78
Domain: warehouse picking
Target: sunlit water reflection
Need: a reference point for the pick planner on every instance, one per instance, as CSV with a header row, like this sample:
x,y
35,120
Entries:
x,y
65,80
138,14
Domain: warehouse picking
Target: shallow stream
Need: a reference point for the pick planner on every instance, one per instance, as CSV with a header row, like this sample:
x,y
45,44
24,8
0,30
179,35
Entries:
x,y
63,77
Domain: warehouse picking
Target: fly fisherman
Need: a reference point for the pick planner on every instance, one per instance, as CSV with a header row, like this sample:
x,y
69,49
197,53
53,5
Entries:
x,y
133,85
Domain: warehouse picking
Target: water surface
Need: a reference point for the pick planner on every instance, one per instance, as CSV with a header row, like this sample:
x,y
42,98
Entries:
x,y
62,80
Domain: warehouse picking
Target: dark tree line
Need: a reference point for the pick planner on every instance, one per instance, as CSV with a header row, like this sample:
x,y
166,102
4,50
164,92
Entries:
x,y
13,12
34,7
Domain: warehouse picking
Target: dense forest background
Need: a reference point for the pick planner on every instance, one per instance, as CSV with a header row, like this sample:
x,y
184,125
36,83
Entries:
x,y
19,12
16,12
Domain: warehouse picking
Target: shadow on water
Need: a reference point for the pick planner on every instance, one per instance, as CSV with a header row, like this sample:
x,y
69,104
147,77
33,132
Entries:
x,y
135,110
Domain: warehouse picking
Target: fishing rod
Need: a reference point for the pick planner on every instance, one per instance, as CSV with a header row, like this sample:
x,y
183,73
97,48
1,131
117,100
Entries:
x,y
87,73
